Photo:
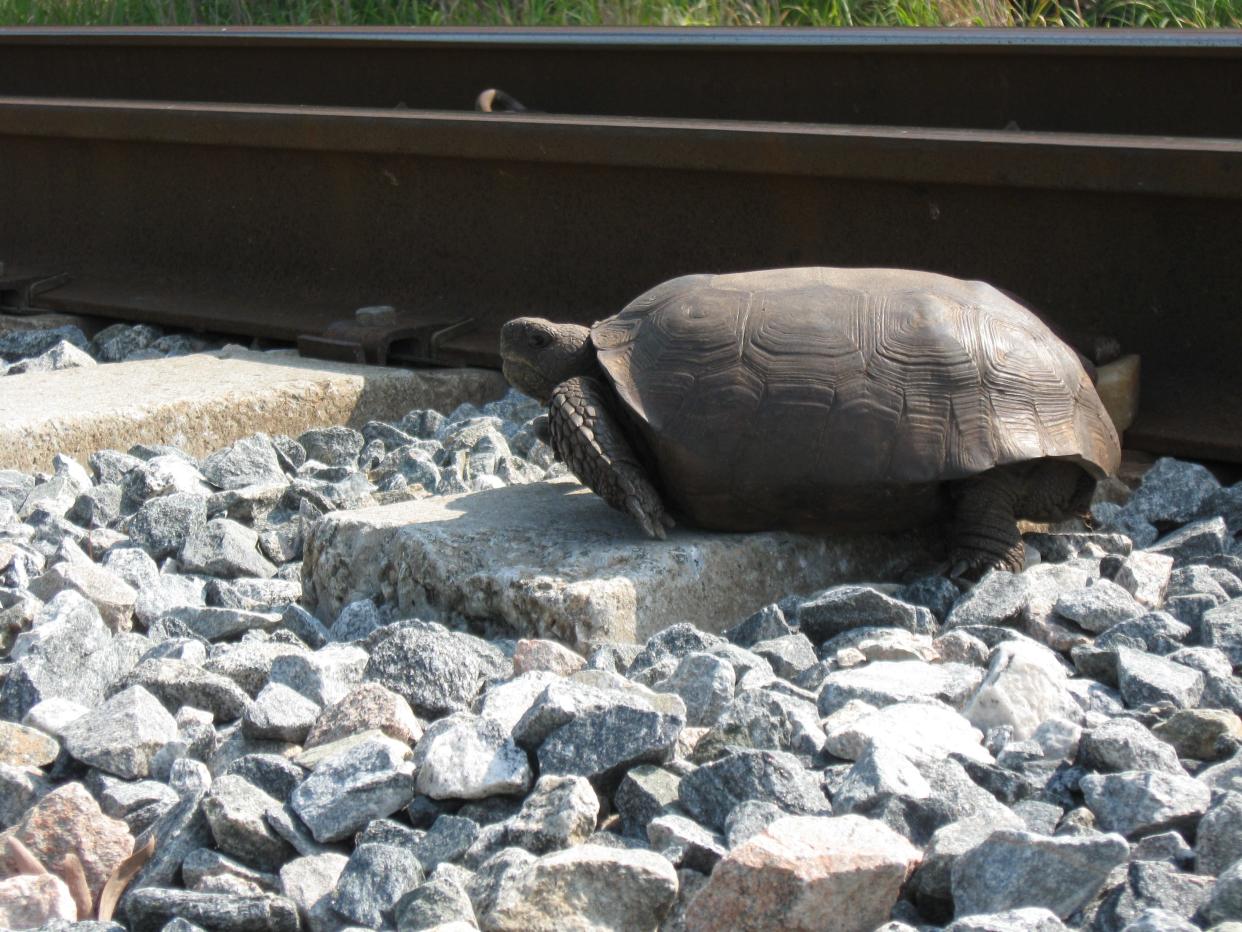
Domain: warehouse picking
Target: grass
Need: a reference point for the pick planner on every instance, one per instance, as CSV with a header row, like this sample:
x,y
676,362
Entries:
x,y
1071,13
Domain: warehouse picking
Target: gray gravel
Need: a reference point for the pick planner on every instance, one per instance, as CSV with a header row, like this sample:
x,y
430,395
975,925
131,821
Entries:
x,y
1062,745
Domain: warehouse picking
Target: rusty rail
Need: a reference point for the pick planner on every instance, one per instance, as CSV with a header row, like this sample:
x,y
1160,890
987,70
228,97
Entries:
x,y
278,220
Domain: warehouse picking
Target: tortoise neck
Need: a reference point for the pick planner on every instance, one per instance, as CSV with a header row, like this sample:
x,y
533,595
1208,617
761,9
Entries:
x,y
576,352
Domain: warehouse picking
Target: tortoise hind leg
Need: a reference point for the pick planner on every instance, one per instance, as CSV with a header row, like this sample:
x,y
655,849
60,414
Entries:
x,y
587,438
985,532
1057,489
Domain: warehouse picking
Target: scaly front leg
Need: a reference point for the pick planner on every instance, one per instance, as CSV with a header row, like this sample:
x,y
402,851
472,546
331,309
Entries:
x,y
587,438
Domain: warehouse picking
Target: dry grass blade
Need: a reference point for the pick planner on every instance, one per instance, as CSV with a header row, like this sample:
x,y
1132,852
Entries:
x,y
124,873
22,858
75,879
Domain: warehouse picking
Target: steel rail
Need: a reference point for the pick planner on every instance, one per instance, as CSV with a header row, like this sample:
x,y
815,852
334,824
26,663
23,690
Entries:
x,y
1148,82
1169,165
278,221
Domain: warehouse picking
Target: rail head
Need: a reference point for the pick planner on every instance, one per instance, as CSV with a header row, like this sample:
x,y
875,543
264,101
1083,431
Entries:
x,y
1152,165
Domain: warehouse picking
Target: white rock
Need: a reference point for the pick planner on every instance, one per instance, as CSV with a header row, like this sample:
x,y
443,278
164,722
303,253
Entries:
x,y
169,474
72,470
28,901
171,591
1058,738
884,682
910,728
1145,575
52,716
1024,686
465,756
507,702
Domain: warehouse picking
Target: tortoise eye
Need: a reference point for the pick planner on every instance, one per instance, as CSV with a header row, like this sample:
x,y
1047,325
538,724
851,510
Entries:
x,y
539,340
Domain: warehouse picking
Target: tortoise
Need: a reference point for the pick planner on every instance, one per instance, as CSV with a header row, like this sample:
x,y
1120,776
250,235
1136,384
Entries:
x,y
811,399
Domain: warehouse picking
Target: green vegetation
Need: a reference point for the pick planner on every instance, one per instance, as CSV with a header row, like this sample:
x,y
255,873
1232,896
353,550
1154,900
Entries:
x,y
1188,13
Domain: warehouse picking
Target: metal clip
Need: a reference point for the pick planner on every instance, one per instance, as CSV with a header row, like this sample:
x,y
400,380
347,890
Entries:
x,y
18,290
380,335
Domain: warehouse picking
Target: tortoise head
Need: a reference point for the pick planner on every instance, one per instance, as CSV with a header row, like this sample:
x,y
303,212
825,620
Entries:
x,y
538,355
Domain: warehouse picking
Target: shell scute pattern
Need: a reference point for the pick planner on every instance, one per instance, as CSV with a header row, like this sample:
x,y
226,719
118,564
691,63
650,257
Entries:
x,y
810,380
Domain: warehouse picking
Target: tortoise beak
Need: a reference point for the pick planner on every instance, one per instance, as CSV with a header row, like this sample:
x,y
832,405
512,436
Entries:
x,y
526,379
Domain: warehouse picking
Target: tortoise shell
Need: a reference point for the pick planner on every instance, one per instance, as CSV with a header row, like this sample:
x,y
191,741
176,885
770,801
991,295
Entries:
x,y
814,397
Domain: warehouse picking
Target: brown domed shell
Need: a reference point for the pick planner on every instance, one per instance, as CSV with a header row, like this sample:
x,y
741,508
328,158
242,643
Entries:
x,y
801,378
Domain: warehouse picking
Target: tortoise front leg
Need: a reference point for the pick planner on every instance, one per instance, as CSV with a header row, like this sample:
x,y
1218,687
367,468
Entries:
x,y
985,526
588,440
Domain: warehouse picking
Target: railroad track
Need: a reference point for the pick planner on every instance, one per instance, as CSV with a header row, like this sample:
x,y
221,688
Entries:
x,y
269,182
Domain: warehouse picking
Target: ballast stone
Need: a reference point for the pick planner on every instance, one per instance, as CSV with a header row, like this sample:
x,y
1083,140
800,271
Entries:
x,y
67,654
153,909
1150,884
1123,744
1025,686
712,791
807,874
1098,606
375,878
225,548
370,780
843,608
585,887
927,729
599,733
435,670
1137,802
884,682
68,820
31,901
1026,919
465,756
1145,678
552,560
1173,492
122,735
235,810
109,593
1012,869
